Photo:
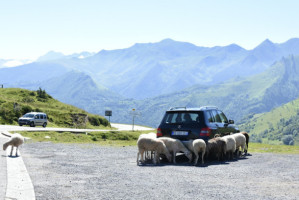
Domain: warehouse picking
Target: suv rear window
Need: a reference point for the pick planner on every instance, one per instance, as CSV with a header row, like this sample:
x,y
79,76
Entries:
x,y
181,117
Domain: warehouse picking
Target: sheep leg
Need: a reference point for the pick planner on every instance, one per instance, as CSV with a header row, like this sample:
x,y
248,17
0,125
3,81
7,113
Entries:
x,y
196,157
156,158
174,157
17,151
141,153
202,157
137,158
11,150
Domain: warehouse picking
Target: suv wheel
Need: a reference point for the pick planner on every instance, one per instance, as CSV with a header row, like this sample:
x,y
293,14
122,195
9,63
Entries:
x,y
44,125
32,124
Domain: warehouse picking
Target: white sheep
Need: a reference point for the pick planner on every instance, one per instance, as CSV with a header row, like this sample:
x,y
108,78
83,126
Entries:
x,y
15,141
150,135
230,145
174,146
240,142
196,146
152,144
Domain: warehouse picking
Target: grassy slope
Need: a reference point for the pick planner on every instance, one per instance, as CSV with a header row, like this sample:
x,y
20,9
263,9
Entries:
x,y
271,126
59,114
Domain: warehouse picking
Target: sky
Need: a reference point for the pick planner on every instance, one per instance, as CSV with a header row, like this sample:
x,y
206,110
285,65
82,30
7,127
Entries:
x,y
31,28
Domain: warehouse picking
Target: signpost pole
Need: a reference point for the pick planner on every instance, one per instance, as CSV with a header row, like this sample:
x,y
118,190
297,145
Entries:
x,y
109,114
133,119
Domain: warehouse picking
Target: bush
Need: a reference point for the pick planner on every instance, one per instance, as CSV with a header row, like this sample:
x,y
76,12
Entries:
x,y
93,120
288,140
25,109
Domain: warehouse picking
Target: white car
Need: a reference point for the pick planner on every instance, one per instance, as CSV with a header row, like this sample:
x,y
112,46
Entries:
x,y
34,119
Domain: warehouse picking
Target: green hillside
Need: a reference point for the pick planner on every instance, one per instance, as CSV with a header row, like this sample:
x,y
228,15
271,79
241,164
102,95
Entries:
x,y
16,102
279,126
237,98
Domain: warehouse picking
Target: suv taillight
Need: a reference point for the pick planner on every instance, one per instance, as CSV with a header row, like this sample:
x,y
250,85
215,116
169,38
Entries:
x,y
205,132
159,132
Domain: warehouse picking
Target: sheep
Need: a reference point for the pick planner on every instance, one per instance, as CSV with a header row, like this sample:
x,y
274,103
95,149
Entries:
x,y
15,141
216,147
175,146
196,146
152,144
240,142
151,135
230,145
247,140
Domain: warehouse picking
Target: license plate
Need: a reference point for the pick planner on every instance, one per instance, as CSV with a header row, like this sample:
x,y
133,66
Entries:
x,y
179,133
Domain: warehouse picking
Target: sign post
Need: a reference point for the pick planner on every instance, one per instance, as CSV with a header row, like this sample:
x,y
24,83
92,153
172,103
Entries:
x,y
134,114
109,114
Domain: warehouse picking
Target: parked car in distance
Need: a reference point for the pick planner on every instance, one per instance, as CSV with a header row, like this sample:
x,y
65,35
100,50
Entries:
x,y
193,123
34,119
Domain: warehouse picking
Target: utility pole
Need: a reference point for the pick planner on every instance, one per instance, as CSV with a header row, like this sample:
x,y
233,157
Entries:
x,y
134,114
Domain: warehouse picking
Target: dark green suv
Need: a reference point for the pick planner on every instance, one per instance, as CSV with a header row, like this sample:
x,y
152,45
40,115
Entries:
x,y
193,123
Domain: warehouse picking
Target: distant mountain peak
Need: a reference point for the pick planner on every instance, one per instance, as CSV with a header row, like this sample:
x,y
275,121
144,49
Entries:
x,y
51,55
266,43
167,40
234,47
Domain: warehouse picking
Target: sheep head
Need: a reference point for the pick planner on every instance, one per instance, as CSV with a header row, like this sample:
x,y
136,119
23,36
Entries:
x,y
5,145
188,154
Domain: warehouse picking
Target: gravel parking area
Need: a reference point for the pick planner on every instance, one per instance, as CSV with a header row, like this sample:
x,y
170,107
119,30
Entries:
x,y
86,171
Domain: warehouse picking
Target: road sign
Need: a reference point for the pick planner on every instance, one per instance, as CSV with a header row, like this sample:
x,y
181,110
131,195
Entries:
x,y
108,113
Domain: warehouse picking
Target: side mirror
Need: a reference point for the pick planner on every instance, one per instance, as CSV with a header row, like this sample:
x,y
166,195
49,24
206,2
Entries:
x,y
231,121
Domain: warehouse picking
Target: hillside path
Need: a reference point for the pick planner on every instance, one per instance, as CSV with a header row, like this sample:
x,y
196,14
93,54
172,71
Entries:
x,y
120,127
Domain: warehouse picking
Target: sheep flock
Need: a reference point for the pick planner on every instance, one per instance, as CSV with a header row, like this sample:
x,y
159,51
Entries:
x,y
228,147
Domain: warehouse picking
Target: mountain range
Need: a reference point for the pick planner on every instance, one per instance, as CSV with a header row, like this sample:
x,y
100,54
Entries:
x,y
155,76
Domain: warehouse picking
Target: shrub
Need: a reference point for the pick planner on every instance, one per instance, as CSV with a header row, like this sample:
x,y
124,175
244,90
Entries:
x,y
288,140
25,109
93,120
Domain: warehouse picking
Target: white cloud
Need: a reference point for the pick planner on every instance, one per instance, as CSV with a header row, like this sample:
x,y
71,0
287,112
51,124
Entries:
x,y
14,63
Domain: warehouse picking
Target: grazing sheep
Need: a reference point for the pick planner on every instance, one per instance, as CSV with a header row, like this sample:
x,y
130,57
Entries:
x,y
175,146
196,146
240,142
247,140
152,144
230,145
15,141
150,135
216,147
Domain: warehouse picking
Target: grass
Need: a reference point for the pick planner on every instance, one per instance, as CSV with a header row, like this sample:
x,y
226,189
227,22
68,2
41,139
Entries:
x,y
129,138
15,102
268,148
111,138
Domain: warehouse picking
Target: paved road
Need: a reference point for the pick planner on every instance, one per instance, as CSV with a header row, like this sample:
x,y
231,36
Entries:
x,y
3,175
15,182
121,127
89,171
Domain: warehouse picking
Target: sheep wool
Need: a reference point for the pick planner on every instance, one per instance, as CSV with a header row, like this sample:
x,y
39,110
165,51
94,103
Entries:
x,y
15,141
176,146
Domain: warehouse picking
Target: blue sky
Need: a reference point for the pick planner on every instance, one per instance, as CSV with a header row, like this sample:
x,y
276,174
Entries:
x,y
31,28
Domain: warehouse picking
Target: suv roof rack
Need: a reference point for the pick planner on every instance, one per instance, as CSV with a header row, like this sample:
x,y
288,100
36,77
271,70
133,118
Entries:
x,y
177,108
190,109
208,107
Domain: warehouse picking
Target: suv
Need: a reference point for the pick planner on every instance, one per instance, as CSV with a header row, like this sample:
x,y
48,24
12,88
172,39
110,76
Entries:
x,y
34,119
193,123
